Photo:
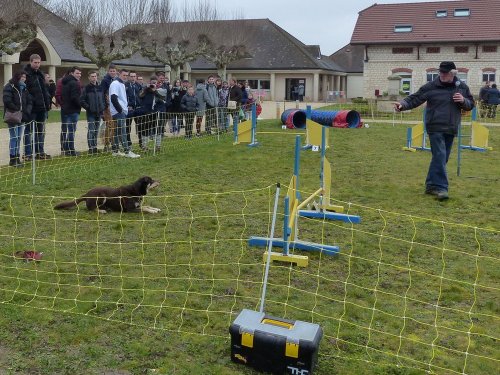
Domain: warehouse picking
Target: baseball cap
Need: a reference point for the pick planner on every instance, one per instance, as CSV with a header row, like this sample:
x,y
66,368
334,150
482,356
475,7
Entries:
x,y
446,66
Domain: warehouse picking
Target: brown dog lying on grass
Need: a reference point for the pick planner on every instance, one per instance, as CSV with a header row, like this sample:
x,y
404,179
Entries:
x,y
123,199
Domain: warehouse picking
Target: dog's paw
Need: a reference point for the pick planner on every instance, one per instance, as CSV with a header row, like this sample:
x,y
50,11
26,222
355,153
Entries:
x,y
102,211
151,210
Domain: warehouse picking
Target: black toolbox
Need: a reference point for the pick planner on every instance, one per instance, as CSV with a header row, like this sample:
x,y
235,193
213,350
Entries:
x,y
274,345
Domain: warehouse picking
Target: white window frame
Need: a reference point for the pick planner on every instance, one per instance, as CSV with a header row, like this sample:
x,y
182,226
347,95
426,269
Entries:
x,y
490,75
433,73
403,28
461,12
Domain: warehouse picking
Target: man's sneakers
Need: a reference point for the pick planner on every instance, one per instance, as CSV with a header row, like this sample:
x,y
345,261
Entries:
x,y
43,156
128,154
132,155
441,195
431,191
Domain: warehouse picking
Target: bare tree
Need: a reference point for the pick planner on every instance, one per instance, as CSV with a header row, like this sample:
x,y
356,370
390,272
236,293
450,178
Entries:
x,y
229,44
175,44
106,30
179,36
18,24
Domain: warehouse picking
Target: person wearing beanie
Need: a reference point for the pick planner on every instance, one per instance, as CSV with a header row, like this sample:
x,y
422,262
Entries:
x,y
446,97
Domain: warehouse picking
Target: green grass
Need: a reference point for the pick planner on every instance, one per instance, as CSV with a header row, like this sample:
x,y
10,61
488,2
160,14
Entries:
x,y
93,304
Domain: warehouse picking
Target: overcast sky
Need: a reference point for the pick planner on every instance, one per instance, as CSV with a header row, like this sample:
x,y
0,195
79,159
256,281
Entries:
x,y
328,23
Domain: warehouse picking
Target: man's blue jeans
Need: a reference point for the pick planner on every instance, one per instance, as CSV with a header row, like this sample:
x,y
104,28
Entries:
x,y
437,178
68,129
93,122
39,134
120,133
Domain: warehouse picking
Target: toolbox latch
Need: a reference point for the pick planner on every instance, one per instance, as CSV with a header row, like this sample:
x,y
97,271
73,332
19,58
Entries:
x,y
247,339
292,349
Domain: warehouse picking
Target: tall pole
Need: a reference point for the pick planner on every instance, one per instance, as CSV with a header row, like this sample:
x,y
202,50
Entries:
x,y
269,248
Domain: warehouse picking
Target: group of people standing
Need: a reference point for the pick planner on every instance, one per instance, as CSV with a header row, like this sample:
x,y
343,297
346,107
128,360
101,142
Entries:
x,y
489,99
120,98
27,100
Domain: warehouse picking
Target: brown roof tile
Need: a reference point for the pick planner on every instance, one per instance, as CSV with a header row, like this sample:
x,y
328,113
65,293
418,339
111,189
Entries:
x,y
375,24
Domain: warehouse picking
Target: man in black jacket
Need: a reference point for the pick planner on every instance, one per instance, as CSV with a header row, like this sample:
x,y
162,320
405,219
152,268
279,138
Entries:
x,y
35,84
93,101
133,89
446,97
70,110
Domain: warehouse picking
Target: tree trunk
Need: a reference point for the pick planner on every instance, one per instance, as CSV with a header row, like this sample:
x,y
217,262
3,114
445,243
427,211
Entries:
x,y
221,71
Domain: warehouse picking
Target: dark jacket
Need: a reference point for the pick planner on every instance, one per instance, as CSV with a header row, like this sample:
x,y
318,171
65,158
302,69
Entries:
x,y
244,97
493,96
151,101
92,99
71,92
442,114
483,91
105,83
190,103
51,88
11,100
133,90
35,83
235,94
177,94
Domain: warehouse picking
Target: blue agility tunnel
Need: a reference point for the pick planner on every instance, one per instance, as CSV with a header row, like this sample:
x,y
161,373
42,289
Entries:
x,y
294,118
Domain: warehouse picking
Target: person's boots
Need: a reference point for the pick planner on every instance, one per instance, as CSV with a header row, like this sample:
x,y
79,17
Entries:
x,y
19,163
12,161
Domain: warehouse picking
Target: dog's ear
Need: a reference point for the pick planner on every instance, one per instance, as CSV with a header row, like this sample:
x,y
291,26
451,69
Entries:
x,y
143,184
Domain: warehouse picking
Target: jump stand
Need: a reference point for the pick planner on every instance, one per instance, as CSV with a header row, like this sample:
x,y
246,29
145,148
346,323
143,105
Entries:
x,y
478,137
416,139
244,132
294,209
315,133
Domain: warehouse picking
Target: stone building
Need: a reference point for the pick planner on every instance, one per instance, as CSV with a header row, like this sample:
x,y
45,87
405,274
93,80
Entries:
x,y
411,39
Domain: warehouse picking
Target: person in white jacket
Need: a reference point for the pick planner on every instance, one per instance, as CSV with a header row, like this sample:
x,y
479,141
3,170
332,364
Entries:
x,y
118,106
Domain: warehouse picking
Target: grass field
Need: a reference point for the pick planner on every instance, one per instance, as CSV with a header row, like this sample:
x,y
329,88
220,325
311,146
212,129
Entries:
x,y
414,288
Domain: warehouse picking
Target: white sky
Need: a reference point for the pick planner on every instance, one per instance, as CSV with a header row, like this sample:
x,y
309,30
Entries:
x,y
328,23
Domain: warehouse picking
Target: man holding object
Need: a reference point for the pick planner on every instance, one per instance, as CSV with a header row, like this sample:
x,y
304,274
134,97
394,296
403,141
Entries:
x,y
446,97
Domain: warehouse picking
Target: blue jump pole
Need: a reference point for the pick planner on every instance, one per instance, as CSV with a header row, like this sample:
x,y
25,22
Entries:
x,y
286,228
235,128
296,166
254,142
459,151
308,112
